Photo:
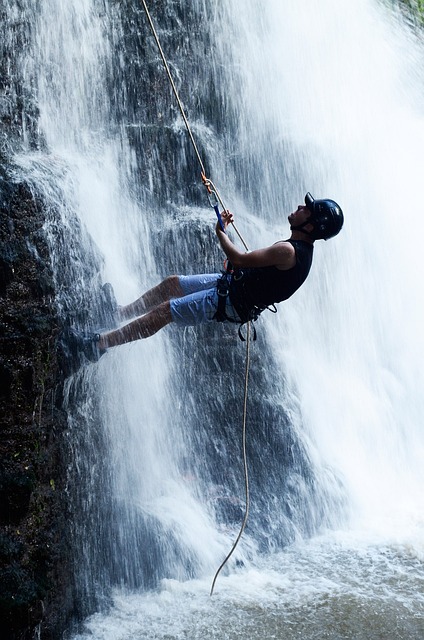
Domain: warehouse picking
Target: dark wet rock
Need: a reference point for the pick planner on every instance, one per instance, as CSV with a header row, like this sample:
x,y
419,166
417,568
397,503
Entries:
x,y
33,555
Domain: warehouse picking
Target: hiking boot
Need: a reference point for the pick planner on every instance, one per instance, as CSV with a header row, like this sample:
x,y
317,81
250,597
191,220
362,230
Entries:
x,y
86,344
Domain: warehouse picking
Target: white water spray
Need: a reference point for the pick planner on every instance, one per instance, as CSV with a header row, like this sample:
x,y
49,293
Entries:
x,y
73,59
329,101
336,86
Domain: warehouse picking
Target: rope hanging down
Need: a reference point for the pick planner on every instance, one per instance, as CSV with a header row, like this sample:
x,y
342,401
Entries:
x,y
214,197
246,474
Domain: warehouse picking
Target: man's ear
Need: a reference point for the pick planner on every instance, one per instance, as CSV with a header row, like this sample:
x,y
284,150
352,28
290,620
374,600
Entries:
x,y
308,227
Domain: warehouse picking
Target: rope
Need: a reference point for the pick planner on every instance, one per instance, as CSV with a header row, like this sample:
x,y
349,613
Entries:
x,y
245,469
213,191
208,183
174,88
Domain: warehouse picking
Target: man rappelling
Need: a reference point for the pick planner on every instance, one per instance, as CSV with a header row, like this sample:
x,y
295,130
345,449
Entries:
x,y
254,281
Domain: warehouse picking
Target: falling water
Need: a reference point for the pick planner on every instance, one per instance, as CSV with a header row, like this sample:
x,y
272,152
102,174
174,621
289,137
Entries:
x,y
340,89
283,98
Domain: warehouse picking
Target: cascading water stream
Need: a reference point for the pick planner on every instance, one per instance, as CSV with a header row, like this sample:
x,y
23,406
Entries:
x,y
330,102
352,116
150,496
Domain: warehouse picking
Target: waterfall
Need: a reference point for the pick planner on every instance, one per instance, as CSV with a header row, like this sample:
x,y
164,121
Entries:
x,y
283,98
338,88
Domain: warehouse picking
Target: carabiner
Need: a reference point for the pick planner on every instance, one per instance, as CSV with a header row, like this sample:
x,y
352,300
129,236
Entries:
x,y
213,200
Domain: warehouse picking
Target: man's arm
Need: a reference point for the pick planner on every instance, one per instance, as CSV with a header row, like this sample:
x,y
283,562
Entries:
x,y
280,255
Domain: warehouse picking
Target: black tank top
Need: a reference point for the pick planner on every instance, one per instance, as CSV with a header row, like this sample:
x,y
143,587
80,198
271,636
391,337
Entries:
x,y
263,286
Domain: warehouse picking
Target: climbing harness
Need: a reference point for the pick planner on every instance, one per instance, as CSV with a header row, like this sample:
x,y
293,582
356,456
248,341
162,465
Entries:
x,y
215,200
223,287
247,313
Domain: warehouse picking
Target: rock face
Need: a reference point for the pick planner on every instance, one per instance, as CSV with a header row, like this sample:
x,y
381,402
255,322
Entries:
x,y
34,567
35,574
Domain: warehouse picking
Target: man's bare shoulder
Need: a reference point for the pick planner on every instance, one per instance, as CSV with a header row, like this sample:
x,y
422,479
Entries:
x,y
285,255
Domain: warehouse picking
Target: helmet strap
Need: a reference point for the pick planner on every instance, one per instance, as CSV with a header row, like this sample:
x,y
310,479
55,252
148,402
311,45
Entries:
x,y
301,227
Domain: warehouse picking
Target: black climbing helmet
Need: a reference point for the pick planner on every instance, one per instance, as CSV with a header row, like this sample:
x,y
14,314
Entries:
x,y
326,216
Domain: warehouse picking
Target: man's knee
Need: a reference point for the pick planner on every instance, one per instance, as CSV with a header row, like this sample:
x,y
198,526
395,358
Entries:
x,y
172,285
171,280
157,318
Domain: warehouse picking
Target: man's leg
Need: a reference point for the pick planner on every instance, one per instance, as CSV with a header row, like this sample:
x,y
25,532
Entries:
x,y
188,309
167,289
142,327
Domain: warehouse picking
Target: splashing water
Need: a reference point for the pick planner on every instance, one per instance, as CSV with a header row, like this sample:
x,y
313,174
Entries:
x,y
325,97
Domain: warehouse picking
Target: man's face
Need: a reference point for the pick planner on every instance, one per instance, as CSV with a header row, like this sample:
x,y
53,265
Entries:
x,y
299,216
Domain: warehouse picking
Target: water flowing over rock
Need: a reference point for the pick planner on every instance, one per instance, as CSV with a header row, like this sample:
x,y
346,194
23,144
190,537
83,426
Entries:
x,y
128,472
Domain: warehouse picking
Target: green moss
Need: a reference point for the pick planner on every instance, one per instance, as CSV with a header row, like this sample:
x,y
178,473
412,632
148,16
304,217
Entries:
x,y
415,7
